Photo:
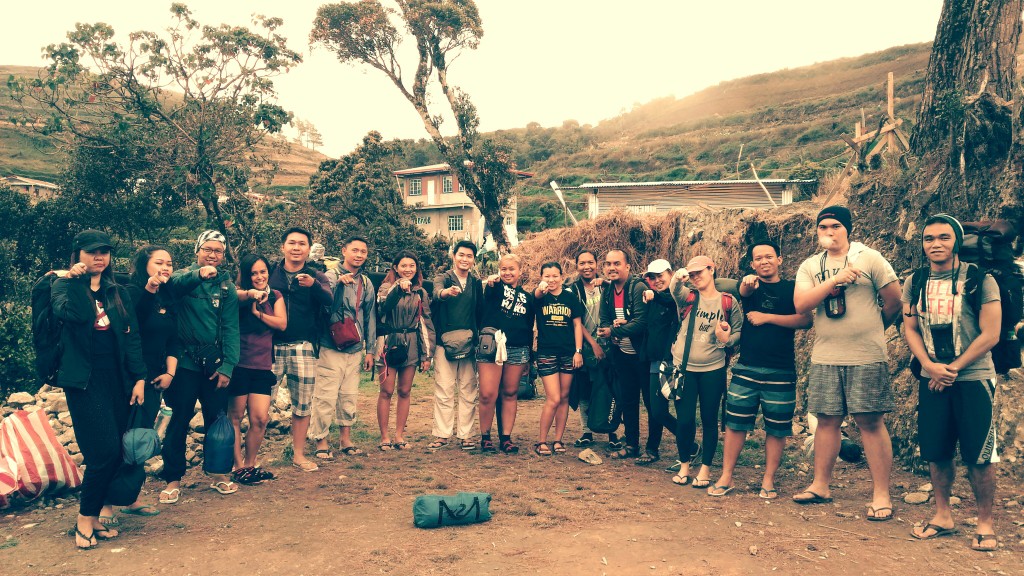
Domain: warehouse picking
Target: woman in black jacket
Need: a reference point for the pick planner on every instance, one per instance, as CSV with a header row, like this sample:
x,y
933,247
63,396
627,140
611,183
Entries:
x,y
101,370
158,329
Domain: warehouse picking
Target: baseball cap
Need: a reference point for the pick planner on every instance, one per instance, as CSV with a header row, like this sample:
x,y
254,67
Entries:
x,y
698,263
657,267
90,240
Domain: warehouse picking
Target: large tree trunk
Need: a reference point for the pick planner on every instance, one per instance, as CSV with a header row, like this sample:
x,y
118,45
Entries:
x,y
965,159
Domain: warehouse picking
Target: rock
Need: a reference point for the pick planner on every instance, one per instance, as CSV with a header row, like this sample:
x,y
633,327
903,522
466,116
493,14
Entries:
x,y
283,400
189,455
197,423
973,521
65,418
753,550
1012,504
199,438
925,488
916,498
155,465
57,405
35,408
954,500
73,448
20,399
78,458
67,437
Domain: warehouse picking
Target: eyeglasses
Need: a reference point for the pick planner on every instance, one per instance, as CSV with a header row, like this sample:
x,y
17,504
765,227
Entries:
x,y
212,251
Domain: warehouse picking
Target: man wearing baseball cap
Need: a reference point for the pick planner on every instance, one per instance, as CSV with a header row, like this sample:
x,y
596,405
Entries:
x,y
849,369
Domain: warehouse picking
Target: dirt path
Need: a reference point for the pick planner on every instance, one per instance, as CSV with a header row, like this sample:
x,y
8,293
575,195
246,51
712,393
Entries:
x,y
553,515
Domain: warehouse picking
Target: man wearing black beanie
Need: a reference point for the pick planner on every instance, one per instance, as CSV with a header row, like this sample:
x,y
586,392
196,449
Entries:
x,y
849,368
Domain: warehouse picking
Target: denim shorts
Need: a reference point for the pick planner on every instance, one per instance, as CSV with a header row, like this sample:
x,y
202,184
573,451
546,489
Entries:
x,y
517,356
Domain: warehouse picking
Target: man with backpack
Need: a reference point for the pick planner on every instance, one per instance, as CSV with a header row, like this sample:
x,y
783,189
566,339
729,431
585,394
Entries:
x,y
849,369
952,317
624,321
306,292
346,348
456,308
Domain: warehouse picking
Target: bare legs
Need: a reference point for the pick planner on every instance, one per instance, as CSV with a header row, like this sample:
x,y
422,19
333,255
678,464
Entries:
x,y
399,380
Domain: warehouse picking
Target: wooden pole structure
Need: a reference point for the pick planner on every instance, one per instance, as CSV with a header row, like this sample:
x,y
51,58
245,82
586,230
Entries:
x,y
766,193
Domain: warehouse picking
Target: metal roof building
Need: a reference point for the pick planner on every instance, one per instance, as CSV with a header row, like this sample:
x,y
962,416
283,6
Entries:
x,y
649,197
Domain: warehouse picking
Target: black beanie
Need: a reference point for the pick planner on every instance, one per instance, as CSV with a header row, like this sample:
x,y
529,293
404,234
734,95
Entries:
x,y
958,228
840,213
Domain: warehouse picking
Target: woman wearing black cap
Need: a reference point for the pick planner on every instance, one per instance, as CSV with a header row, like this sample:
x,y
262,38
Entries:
x,y
101,370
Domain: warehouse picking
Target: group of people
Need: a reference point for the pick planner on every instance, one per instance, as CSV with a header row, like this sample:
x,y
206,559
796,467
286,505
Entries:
x,y
663,337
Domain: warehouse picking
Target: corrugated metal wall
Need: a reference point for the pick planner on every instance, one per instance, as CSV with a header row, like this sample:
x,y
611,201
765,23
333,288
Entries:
x,y
666,197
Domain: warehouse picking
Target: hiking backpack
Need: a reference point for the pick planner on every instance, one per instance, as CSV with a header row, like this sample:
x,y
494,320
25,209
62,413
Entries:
x,y
46,330
988,249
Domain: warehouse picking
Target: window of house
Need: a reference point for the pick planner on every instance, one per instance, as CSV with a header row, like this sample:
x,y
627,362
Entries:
x,y
416,187
423,219
641,208
455,223
446,185
508,220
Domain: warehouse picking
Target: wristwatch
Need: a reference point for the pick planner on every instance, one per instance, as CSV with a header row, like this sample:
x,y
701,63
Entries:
x,y
579,350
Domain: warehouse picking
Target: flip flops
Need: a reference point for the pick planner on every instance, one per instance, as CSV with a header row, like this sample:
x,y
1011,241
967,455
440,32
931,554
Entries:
x,y
91,539
719,491
109,520
324,454
437,444
681,480
976,542
939,531
698,483
814,499
352,451
225,487
172,496
768,493
385,447
144,510
873,514
402,445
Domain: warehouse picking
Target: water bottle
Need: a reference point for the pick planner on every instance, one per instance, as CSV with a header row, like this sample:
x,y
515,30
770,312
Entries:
x,y
163,418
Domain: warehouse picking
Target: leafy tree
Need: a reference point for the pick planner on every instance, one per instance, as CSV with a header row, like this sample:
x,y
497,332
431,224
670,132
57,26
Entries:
x,y
358,194
365,32
193,101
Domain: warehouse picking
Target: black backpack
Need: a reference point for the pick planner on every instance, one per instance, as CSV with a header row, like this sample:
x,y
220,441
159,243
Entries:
x,y
988,248
46,330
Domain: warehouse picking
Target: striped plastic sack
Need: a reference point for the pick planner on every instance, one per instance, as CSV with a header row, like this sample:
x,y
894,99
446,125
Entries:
x,y
32,461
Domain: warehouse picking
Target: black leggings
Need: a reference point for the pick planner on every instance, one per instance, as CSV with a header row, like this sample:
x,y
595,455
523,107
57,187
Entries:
x,y
708,387
99,416
658,416
187,387
630,380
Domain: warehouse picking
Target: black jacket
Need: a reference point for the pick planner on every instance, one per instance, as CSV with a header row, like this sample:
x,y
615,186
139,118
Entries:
x,y
635,327
158,327
73,304
662,326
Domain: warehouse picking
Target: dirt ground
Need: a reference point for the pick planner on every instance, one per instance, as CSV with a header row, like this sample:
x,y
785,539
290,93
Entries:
x,y
553,515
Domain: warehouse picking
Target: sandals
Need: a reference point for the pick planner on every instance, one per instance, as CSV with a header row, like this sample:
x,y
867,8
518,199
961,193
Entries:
x,y
352,451
246,476
402,445
814,499
542,449
306,466
385,447
324,454
681,480
437,444
225,487
584,441
144,510
719,491
262,474
91,539
509,447
937,531
558,447
468,445
874,515
625,453
647,459
976,542
486,445
170,496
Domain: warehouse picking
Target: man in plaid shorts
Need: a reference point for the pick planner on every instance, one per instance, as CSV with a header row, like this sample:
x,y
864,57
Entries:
x,y
306,292
849,369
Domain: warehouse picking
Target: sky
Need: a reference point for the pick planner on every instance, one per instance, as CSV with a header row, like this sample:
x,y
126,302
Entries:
x,y
542,61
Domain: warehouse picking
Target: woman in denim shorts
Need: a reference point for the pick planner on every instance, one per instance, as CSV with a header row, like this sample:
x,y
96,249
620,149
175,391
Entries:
x,y
508,315
559,352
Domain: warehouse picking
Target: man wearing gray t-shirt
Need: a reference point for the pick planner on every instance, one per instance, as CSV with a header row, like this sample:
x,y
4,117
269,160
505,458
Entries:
x,y
952,318
849,370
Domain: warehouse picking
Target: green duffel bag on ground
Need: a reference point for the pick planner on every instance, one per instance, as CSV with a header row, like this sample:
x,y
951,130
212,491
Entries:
x,y
434,511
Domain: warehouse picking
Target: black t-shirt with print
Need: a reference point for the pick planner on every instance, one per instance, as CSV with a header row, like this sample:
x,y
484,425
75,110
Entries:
x,y
104,341
555,334
510,310
768,345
